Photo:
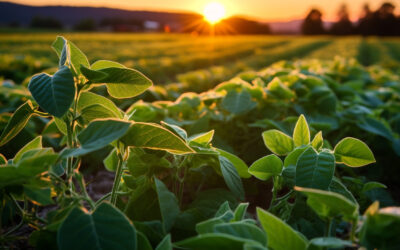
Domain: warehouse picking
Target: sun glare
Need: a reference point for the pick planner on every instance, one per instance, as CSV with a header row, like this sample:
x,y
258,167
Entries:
x,y
214,12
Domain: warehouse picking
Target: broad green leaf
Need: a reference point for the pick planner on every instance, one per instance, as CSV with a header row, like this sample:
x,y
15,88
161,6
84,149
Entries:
x,y
168,203
122,82
240,211
315,170
87,99
203,138
97,135
338,187
69,53
111,161
318,141
328,204
34,144
301,134
102,64
78,58
105,228
60,123
242,230
54,94
280,235
41,196
278,142
280,90
253,246
3,160
211,241
353,153
176,130
153,136
330,242
238,102
97,111
231,177
239,164
26,169
100,133
372,185
165,244
292,157
17,122
376,127
265,167
142,242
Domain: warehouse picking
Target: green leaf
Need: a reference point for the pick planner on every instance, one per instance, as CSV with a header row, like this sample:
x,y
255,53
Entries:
x,y
61,125
318,141
330,242
176,130
97,111
204,138
17,122
54,94
376,127
211,241
278,142
3,160
111,161
329,205
142,242
238,102
231,177
168,203
315,170
105,228
40,196
240,211
338,187
87,99
301,134
280,90
292,158
34,144
26,169
239,164
353,153
265,167
242,230
97,135
372,185
102,64
69,54
165,244
280,235
121,82
153,136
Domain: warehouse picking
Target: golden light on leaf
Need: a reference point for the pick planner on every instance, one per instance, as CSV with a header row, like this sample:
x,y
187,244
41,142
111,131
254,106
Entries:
x,y
214,12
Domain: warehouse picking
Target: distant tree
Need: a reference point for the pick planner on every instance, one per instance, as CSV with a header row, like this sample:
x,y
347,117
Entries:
x,y
365,23
121,24
343,26
45,23
313,25
86,25
384,22
238,25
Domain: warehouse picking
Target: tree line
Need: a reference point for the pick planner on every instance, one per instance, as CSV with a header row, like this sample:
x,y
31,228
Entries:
x,y
381,22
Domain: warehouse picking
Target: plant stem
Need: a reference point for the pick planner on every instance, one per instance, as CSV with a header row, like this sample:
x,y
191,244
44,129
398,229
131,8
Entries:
x,y
274,191
328,231
84,192
117,179
353,231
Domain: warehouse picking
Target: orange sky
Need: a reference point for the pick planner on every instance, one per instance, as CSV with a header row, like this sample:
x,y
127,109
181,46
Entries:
x,y
261,9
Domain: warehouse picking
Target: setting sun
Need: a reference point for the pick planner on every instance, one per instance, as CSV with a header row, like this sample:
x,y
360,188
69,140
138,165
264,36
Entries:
x,y
214,12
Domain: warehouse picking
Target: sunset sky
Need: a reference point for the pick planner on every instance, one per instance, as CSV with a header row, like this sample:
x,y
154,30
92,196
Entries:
x,y
268,10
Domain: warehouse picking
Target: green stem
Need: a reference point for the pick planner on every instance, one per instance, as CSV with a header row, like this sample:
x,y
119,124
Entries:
x,y
82,185
353,230
117,179
328,231
274,191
